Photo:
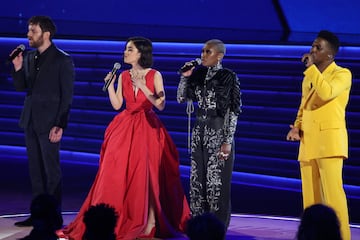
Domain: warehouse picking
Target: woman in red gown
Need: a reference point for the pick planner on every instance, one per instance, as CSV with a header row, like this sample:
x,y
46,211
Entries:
x,y
139,165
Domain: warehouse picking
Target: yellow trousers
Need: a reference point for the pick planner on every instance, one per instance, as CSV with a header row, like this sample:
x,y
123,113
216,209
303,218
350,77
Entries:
x,y
322,183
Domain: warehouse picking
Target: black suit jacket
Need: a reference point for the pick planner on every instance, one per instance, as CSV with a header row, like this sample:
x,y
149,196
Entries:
x,y
49,92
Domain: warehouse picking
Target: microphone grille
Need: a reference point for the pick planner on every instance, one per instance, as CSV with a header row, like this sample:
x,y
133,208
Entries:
x,y
198,61
117,65
22,47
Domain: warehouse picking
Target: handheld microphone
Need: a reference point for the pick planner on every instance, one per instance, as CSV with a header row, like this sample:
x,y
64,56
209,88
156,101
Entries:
x,y
306,60
189,65
18,50
113,71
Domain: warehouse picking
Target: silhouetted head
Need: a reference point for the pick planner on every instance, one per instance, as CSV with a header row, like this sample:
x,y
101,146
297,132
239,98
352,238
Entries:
x,y
45,212
205,227
319,222
100,221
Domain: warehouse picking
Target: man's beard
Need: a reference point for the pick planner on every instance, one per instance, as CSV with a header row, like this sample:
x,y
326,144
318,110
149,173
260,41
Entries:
x,y
38,43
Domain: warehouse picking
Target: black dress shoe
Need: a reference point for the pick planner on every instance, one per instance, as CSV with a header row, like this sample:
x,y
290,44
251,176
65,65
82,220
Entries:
x,y
26,223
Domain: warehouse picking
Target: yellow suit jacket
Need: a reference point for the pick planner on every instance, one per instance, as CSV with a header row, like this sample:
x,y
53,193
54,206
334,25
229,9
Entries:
x,y
321,115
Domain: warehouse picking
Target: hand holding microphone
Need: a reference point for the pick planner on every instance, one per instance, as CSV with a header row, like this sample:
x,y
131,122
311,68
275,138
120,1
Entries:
x,y
189,65
307,59
19,49
112,74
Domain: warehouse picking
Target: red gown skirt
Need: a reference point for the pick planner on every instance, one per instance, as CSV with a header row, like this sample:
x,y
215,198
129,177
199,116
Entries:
x,y
137,156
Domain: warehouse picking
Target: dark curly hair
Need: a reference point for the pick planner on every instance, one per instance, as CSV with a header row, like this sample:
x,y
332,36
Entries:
x,y
100,221
45,23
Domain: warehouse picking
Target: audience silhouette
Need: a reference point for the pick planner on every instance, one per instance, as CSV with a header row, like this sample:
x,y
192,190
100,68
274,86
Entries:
x,y
100,221
46,218
319,222
205,227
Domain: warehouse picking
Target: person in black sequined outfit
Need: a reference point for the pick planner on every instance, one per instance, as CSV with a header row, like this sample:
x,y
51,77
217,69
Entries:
x,y
217,93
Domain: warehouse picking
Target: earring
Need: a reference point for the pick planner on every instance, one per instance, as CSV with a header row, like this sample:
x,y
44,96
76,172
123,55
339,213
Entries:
x,y
330,56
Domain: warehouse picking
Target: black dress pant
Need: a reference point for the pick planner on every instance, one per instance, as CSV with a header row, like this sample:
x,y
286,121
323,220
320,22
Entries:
x,y
44,164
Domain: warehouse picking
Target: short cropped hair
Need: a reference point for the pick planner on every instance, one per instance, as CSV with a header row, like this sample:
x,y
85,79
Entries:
x,y
218,44
331,38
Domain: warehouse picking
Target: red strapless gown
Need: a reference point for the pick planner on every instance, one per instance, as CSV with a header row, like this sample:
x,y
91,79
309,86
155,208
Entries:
x,y
137,152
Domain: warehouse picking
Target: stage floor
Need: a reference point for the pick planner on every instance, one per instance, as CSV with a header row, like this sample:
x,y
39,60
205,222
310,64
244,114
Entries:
x,y
16,197
242,227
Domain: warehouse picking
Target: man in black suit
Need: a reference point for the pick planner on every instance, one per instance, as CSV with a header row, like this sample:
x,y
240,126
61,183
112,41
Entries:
x,y
47,75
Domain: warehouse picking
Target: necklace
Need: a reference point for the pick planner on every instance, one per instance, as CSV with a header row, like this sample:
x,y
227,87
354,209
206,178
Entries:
x,y
137,77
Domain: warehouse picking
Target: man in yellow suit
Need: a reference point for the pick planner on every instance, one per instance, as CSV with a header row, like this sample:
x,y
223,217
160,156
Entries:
x,y
320,127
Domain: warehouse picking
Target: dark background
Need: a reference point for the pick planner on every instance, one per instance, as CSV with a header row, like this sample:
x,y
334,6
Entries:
x,y
276,21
